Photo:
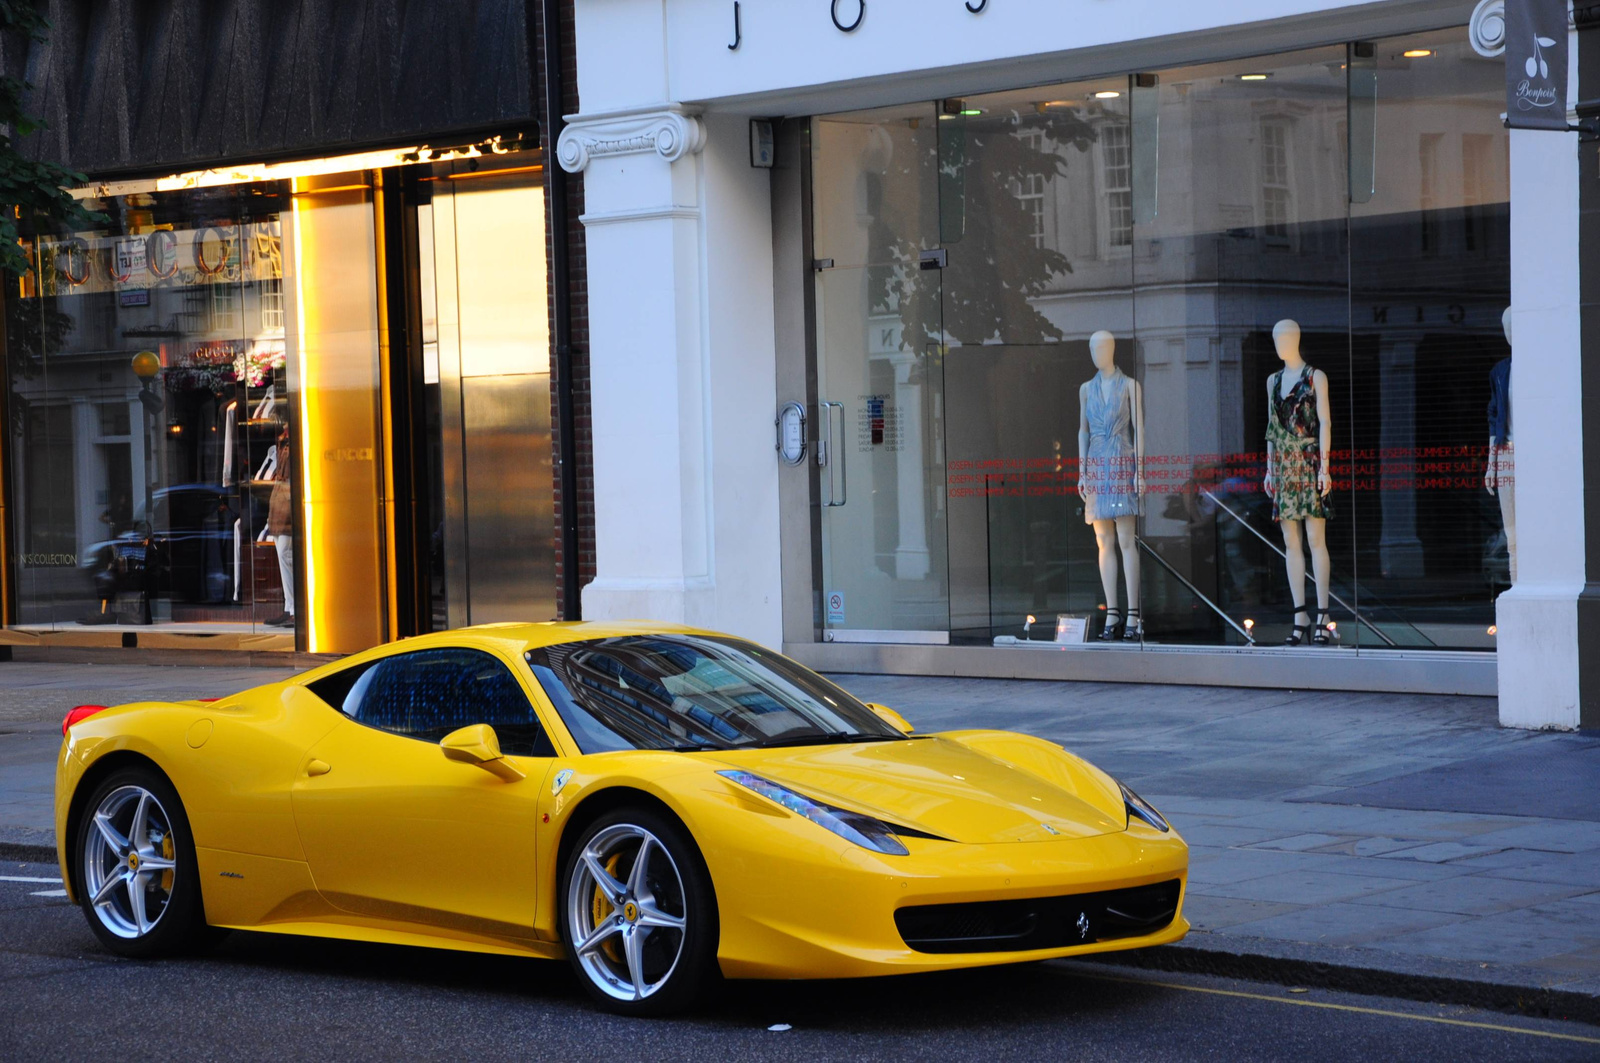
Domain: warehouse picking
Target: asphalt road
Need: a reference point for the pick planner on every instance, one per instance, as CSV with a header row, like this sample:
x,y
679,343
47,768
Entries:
x,y
264,995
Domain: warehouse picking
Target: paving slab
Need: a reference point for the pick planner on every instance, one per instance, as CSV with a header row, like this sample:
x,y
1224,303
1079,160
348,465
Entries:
x,y
1473,895
1308,886
1343,923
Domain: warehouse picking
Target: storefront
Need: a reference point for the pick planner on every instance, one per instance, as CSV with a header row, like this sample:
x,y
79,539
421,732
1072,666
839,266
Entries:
x,y
290,405
1122,342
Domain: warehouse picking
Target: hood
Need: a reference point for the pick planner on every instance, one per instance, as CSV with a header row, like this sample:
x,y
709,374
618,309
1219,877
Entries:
x,y
936,785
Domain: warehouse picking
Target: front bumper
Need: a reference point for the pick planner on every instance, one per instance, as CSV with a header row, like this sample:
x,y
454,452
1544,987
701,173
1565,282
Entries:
x,y
806,917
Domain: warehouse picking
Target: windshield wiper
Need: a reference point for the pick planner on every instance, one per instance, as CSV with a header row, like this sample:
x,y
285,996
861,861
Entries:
x,y
694,747
823,738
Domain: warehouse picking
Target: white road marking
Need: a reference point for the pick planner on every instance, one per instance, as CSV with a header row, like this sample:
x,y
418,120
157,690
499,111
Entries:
x,y
26,878
49,893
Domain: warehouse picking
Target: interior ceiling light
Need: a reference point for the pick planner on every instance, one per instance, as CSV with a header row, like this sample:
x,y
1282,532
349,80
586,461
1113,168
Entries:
x,y
1417,53
1254,77
271,171
1107,94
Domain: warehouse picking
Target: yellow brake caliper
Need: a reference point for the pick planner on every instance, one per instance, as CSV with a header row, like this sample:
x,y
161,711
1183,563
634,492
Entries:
x,y
166,853
602,908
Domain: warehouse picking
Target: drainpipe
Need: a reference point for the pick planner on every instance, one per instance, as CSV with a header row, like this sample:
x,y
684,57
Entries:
x,y
555,184
1586,19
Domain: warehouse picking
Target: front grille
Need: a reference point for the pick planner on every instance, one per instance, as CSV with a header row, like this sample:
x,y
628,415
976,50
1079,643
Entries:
x,y
1039,923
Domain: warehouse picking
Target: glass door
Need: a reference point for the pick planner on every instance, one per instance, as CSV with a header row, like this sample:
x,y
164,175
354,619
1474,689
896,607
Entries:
x,y
486,398
880,377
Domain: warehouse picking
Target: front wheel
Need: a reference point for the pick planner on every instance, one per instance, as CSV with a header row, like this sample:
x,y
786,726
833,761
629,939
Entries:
x,y
639,917
137,877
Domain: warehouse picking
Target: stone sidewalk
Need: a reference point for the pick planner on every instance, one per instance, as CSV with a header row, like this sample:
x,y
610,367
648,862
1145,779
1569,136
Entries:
x,y
1406,836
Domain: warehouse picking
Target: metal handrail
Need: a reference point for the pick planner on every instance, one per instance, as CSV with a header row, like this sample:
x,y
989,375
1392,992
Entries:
x,y
1196,591
1363,621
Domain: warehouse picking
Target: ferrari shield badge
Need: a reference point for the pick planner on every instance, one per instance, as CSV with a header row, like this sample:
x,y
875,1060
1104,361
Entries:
x,y
560,780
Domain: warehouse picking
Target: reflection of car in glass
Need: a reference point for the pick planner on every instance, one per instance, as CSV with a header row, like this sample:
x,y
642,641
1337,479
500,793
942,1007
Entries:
x,y
653,803
189,539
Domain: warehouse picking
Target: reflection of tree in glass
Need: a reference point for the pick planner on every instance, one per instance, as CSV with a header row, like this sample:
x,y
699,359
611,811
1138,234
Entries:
x,y
996,266
30,190
34,327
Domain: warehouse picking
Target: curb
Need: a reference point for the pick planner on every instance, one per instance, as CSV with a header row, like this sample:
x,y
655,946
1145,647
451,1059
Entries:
x,y
1326,967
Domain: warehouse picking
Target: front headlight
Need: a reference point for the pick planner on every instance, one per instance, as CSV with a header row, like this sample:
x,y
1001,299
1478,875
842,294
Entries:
x,y
854,827
1138,806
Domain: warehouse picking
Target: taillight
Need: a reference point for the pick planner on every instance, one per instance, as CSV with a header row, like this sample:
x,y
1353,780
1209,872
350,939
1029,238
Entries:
x,y
82,712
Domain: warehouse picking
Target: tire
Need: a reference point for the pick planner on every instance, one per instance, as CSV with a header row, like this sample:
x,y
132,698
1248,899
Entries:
x,y
150,903
651,938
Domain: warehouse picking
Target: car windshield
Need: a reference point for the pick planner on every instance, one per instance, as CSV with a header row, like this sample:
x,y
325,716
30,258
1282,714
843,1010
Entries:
x,y
692,692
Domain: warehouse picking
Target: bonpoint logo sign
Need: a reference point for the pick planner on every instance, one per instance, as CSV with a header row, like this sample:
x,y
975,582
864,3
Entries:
x,y
1536,64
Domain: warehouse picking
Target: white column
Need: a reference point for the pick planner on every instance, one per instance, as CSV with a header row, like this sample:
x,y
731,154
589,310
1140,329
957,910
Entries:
x,y
911,558
87,474
1399,549
682,378
1537,620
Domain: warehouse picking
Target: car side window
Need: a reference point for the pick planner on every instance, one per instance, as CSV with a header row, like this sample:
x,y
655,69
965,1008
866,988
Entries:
x,y
429,693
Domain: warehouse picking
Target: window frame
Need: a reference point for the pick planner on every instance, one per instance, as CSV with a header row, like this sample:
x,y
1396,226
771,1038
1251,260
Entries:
x,y
1104,190
1280,127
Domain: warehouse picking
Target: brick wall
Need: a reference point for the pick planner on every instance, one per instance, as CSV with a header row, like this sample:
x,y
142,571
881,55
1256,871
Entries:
x,y
577,262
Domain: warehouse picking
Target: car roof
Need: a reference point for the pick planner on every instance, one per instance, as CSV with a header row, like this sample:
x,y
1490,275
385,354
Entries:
x,y
554,632
512,638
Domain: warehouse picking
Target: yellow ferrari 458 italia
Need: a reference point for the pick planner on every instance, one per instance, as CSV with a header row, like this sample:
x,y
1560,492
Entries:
x,y
662,806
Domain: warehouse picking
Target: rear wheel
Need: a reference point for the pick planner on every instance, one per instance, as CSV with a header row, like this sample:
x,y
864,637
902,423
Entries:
x,y
638,914
138,881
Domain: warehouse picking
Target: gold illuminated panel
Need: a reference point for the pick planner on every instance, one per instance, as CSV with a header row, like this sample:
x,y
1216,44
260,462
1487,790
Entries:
x,y
334,375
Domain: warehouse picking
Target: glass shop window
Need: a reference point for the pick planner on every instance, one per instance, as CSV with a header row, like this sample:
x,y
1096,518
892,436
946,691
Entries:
x,y
1283,418
151,466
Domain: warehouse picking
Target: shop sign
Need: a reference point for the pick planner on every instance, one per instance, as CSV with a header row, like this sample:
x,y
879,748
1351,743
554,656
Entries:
x,y
132,257
49,560
1536,64
136,297
847,16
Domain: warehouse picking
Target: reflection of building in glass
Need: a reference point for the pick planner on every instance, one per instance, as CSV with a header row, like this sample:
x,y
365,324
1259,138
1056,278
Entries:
x,y
303,403
1399,300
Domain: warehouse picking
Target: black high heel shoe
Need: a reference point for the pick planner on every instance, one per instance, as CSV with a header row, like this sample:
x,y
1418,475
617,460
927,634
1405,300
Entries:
x,y
1298,633
1324,632
1132,628
1114,628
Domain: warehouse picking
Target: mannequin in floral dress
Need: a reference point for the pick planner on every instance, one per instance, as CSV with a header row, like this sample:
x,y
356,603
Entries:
x,y
1299,435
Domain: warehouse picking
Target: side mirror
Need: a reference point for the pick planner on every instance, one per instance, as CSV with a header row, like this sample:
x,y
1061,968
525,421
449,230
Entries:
x,y
478,744
892,718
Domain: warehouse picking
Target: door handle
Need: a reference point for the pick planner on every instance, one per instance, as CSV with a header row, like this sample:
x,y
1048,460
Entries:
x,y
825,451
316,767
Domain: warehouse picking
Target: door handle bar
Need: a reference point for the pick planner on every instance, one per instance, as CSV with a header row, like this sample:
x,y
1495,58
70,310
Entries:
x,y
825,451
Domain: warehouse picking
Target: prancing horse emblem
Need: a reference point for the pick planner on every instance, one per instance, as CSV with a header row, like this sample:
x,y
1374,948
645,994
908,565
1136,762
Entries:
x,y
1083,926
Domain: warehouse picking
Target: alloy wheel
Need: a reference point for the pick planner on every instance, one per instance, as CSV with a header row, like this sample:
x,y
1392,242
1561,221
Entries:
x,y
129,862
627,912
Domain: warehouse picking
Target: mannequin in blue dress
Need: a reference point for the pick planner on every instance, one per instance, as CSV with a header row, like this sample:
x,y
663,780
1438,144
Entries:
x,y
1111,478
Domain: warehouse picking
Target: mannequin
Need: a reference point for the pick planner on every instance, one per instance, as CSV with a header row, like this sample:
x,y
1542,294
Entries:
x,y
1111,479
1299,435
1500,477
